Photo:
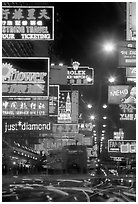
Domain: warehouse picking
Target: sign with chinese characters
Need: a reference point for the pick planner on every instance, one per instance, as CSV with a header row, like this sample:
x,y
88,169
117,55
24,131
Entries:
x,y
25,76
65,128
127,116
53,100
25,106
123,146
122,94
127,108
80,75
68,107
127,54
19,125
28,23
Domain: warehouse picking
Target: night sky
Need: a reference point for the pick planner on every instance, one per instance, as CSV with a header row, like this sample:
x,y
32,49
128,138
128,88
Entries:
x,y
81,28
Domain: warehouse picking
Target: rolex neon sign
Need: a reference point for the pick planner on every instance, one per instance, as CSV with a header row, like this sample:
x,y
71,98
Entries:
x,y
11,75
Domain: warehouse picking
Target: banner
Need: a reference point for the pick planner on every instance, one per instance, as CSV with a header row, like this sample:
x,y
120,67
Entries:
x,y
27,23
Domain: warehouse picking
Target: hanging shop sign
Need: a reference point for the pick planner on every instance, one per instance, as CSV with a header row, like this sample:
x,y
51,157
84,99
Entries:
x,y
27,23
25,106
127,116
80,75
68,107
25,76
20,126
122,94
127,54
123,146
53,100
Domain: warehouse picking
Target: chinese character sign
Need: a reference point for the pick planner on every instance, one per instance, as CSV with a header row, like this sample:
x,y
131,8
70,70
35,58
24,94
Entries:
x,y
24,106
27,23
122,94
127,54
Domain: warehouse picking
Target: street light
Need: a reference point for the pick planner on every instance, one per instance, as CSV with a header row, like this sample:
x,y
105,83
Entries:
x,y
112,79
109,47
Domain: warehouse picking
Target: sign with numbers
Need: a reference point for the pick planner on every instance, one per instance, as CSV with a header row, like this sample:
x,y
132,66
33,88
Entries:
x,y
28,23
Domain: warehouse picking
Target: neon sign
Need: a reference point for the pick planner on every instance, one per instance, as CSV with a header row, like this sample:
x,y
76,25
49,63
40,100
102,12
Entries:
x,y
27,23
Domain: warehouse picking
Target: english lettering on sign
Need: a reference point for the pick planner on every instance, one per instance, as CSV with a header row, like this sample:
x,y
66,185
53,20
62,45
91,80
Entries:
x,y
127,116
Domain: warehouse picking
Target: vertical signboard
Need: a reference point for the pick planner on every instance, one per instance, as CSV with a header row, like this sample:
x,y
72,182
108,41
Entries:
x,y
53,100
131,21
27,23
68,107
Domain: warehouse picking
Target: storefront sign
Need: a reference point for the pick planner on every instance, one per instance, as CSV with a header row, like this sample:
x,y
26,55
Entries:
x,y
17,81
127,54
27,23
123,146
16,126
80,75
121,94
24,106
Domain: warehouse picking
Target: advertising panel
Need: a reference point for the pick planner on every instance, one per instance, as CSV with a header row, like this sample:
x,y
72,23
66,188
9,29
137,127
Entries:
x,y
122,94
27,23
127,116
25,76
25,106
68,107
80,75
123,146
127,54
127,108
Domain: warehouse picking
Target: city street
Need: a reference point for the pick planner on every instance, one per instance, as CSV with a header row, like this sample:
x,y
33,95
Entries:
x,y
68,101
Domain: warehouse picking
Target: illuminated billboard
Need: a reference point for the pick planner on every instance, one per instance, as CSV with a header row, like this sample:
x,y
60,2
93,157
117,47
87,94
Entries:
x,y
27,23
80,75
25,76
16,126
25,106
122,94
127,54
122,146
68,107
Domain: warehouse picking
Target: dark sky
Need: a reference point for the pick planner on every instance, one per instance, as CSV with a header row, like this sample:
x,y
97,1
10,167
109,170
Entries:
x,y
81,28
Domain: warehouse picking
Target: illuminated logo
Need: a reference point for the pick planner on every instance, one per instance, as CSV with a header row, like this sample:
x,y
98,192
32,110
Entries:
x,y
75,65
